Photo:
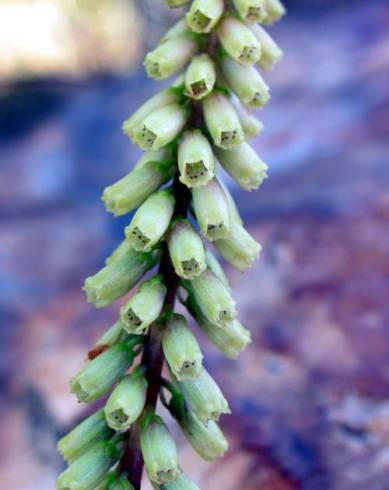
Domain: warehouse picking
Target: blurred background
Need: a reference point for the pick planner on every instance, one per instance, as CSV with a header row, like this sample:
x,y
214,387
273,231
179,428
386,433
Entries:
x,y
310,397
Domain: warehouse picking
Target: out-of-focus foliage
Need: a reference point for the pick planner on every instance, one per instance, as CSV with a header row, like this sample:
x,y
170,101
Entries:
x,y
68,36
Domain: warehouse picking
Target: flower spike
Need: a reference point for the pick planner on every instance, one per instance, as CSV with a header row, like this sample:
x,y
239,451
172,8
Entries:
x,y
195,126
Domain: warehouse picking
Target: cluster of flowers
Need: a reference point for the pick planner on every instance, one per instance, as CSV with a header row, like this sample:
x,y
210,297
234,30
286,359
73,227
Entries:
x,y
219,43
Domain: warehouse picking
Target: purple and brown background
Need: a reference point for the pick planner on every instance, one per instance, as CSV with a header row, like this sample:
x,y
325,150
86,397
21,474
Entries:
x,y
310,397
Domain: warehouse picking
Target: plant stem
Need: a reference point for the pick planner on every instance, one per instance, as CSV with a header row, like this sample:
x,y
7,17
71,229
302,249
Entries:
x,y
152,358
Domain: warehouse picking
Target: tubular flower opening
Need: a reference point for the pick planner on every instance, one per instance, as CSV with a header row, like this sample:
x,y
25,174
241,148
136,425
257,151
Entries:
x,y
204,397
196,162
144,307
211,210
151,221
159,451
186,250
182,352
200,77
239,41
200,122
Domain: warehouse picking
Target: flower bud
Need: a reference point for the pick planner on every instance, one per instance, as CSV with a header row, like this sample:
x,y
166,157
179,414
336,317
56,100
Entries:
x,y
115,279
126,402
163,98
176,3
232,339
159,451
204,397
206,439
195,159
239,41
271,52
182,482
244,165
251,125
98,375
211,210
200,77
239,248
274,11
170,56
160,127
216,268
222,121
88,471
92,430
213,298
151,221
144,307
186,250
133,189
251,10
203,15
246,82
181,349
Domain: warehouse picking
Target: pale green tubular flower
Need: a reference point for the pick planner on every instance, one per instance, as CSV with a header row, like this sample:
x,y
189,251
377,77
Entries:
x,y
196,162
100,374
271,52
251,125
246,82
204,397
232,208
275,10
88,471
239,41
159,451
122,249
213,298
182,482
115,279
180,27
222,121
251,10
166,97
244,165
186,250
176,3
126,402
151,221
203,15
170,56
200,77
181,349
216,268
160,127
112,336
211,210
232,339
144,307
206,438
133,189
90,431
164,154
239,248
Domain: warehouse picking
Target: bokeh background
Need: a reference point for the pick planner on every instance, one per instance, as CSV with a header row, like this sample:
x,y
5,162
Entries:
x,y
310,397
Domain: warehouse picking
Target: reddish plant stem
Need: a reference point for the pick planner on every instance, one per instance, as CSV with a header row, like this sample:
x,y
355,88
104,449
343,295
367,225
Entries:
x,y
152,358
